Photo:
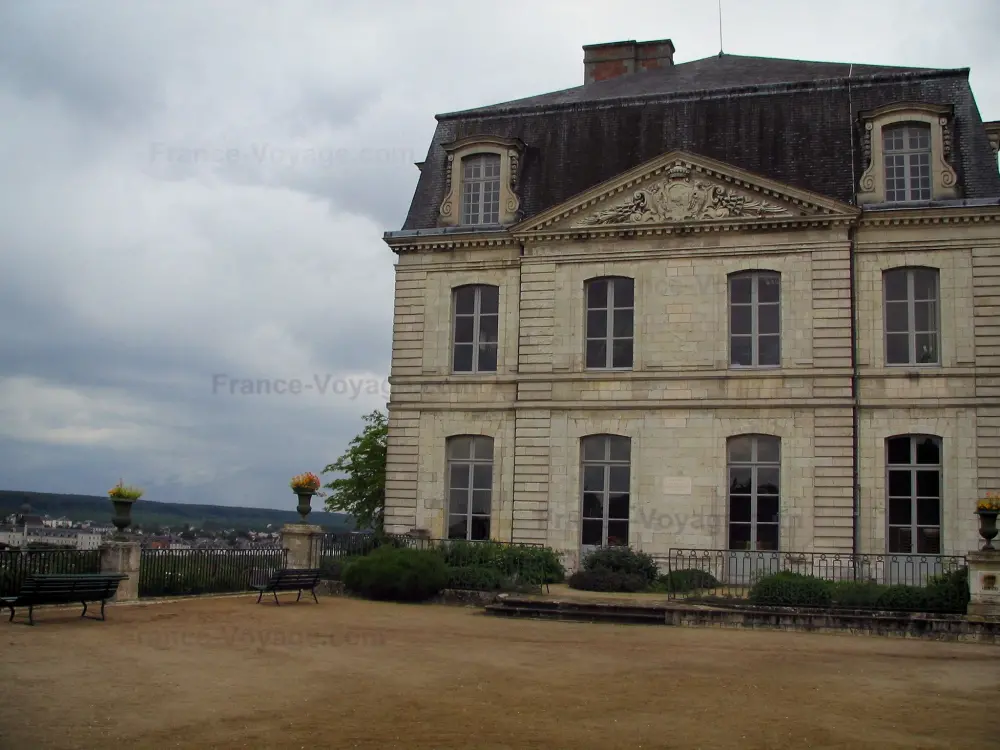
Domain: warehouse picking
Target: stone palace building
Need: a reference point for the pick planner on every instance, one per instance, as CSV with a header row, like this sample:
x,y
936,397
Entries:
x,y
738,303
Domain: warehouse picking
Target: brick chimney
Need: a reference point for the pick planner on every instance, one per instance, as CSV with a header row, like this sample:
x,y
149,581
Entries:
x,y
613,59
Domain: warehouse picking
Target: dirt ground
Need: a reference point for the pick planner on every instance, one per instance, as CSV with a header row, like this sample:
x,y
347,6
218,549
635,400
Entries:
x,y
229,673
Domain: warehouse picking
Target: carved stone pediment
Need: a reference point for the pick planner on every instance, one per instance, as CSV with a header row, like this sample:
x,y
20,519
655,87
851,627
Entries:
x,y
681,196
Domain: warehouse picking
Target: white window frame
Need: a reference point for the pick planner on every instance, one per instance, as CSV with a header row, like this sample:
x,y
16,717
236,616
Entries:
x,y
914,498
610,311
477,321
756,277
472,461
755,464
606,463
481,195
924,189
911,322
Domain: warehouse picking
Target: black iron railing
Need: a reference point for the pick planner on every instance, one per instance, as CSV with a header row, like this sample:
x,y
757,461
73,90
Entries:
x,y
876,581
16,564
476,565
177,572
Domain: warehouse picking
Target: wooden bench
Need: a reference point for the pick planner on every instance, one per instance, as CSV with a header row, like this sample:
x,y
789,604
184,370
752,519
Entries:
x,y
64,588
290,579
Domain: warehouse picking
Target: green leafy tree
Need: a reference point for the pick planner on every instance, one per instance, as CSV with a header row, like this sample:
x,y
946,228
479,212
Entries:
x,y
362,492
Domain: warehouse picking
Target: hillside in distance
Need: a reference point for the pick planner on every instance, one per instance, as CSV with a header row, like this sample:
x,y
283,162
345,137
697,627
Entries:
x,y
174,515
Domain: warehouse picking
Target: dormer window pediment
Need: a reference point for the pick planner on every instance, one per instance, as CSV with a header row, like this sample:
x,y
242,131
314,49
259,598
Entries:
x,y
906,148
481,176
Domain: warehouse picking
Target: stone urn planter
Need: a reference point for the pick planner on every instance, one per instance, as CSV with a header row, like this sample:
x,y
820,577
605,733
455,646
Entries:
x,y
123,498
305,486
988,526
305,503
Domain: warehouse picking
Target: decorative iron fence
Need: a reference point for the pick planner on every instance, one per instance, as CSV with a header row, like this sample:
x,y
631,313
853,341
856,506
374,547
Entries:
x,y
16,564
884,581
180,572
474,565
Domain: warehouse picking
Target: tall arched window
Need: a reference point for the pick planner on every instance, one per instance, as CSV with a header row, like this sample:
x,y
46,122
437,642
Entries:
x,y
754,470
481,189
605,489
470,486
912,321
476,328
906,148
610,322
755,319
913,494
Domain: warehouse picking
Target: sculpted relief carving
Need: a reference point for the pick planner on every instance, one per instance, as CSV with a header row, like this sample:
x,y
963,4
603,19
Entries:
x,y
680,198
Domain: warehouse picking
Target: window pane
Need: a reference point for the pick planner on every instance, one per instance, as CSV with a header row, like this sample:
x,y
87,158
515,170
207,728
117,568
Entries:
x,y
597,294
768,288
459,476
618,505
897,317
895,285
482,477
929,541
624,293
465,300
927,350
481,502
767,319
928,451
767,536
900,511
592,533
767,481
926,316
460,447
739,508
767,509
900,539
488,325
463,358
621,353
597,323
593,448
479,527
617,533
457,527
739,449
739,536
597,353
593,479
899,450
899,484
768,450
739,289
458,501
622,323
619,479
770,350
483,447
928,484
742,352
740,319
928,511
620,448
487,358
897,349
924,284
592,505
739,480
489,300
464,328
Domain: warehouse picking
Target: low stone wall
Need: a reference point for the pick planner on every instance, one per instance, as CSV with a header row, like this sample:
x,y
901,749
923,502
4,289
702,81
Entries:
x,y
448,596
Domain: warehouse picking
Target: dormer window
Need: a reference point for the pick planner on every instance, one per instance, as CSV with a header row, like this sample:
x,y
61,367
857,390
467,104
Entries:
x,y
906,149
481,189
481,181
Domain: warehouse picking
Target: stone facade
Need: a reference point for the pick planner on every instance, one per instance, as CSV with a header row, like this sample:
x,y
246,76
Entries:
x,y
679,226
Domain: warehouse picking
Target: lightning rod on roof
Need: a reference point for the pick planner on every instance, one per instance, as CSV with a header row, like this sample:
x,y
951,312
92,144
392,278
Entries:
x,y
720,28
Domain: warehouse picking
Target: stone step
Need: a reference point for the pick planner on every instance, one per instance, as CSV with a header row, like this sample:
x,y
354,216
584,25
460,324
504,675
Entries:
x,y
579,612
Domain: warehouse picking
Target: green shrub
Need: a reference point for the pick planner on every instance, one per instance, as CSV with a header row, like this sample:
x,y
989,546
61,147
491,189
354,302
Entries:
x,y
856,594
521,563
680,581
476,578
622,560
602,579
332,568
949,592
403,575
903,598
786,589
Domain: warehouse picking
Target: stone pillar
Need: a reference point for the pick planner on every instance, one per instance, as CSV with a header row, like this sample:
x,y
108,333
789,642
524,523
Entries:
x,y
123,557
984,582
303,542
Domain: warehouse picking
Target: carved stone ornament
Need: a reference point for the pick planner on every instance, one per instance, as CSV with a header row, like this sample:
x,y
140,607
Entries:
x,y
680,198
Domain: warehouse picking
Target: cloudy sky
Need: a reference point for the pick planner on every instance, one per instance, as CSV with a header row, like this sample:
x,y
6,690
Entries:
x,y
194,193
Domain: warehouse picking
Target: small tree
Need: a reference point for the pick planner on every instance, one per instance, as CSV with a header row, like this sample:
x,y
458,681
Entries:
x,y
362,492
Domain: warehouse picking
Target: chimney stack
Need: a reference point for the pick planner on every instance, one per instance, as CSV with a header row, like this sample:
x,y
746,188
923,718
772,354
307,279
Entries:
x,y
613,59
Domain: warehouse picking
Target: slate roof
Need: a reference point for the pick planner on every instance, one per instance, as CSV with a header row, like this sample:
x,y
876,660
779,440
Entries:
x,y
793,121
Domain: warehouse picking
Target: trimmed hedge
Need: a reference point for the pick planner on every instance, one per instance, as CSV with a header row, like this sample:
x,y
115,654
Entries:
x,y
622,560
788,589
397,574
516,563
476,578
602,579
682,581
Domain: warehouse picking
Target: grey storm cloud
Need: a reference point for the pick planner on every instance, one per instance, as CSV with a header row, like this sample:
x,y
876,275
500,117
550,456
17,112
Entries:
x,y
192,198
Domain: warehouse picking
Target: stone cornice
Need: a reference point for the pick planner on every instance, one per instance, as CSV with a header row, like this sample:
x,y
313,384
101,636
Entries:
x,y
941,110
483,140
445,242
931,215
